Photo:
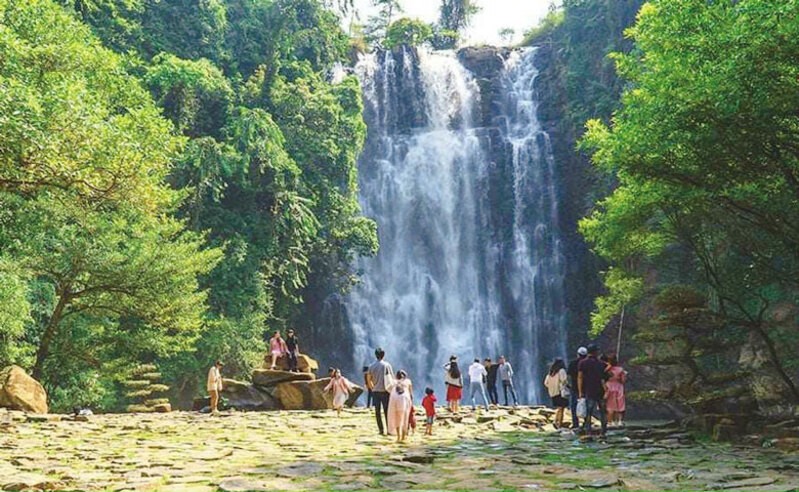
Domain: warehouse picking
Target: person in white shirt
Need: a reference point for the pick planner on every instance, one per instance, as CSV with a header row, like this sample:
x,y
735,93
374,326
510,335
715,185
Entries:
x,y
214,385
476,374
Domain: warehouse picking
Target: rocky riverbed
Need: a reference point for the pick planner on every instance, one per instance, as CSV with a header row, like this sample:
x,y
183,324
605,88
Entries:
x,y
295,450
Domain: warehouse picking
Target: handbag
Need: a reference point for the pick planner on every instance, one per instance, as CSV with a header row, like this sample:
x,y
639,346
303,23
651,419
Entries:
x,y
581,410
388,380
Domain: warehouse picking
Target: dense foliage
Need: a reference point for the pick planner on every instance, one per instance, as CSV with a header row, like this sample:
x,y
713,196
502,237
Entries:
x,y
706,153
410,32
171,196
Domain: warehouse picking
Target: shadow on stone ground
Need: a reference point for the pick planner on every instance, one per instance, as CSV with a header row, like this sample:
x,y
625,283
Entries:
x,y
317,451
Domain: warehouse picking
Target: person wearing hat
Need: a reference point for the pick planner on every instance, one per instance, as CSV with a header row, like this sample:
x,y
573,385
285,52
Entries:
x,y
591,386
574,396
214,385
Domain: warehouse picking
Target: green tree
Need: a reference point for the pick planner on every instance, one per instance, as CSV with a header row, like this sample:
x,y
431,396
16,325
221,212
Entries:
x,y
377,25
455,16
410,32
195,95
705,151
86,221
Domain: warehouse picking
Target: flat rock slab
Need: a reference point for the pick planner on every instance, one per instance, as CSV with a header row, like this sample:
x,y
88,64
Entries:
x,y
267,378
745,484
316,450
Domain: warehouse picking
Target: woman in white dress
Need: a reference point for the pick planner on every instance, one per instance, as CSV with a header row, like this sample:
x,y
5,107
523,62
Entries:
x,y
400,405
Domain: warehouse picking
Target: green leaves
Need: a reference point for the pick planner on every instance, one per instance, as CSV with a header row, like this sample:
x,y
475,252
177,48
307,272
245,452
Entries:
x,y
706,152
409,32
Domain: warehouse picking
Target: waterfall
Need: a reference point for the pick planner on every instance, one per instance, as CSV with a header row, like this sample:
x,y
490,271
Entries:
x,y
463,267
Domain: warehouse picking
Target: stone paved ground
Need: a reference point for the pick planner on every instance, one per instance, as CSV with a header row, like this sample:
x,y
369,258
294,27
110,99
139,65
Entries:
x,y
315,450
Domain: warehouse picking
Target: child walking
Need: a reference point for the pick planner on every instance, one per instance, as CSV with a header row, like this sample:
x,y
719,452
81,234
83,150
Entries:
x,y
429,404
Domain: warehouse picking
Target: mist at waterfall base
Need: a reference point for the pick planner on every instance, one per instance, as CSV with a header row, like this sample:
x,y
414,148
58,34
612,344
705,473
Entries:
x,y
465,195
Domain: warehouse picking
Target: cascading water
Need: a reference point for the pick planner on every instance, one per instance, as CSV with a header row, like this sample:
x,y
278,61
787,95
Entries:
x,y
450,278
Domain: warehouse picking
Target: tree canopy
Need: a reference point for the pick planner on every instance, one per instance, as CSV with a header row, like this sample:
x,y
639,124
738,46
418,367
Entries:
x,y
174,177
706,152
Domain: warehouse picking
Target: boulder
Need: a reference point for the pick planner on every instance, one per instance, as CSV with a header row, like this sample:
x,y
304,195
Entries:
x,y
267,378
304,363
787,443
19,391
162,408
244,396
309,395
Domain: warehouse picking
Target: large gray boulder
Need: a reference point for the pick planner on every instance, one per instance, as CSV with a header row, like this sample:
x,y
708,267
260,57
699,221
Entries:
x,y
245,396
18,391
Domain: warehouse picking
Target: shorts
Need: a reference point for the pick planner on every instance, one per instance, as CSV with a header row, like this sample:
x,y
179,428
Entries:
x,y
277,353
560,402
429,420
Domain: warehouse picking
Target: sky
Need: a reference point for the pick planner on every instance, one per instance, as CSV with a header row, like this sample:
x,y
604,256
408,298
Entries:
x,y
494,15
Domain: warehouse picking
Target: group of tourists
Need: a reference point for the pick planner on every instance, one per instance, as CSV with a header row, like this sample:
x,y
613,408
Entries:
x,y
391,393
481,375
591,386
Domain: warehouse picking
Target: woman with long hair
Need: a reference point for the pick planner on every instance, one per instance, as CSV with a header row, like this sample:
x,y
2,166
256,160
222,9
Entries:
x,y
614,394
340,386
400,404
277,347
557,383
454,381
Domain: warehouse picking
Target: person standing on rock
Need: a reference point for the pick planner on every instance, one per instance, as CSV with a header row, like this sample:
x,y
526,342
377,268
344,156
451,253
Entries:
x,y
340,387
506,374
214,385
292,350
557,386
381,378
476,374
491,380
573,393
454,381
590,385
614,397
277,347
400,406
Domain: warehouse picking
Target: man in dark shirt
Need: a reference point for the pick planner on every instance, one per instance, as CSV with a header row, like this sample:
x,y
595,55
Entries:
x,y
491,380
573,396
293,346
590,383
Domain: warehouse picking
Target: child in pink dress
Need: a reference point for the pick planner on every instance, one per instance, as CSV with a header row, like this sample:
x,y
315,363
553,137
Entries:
x,y
614,394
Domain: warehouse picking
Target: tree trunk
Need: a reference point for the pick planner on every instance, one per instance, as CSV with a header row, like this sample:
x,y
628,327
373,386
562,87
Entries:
x,y
49,334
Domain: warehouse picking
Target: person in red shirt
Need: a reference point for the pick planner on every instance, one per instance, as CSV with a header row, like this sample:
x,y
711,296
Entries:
x,y
429,404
